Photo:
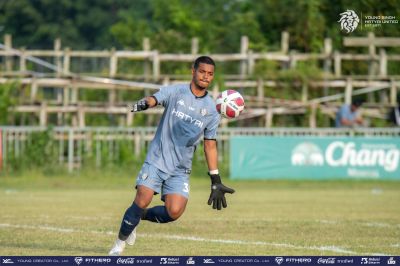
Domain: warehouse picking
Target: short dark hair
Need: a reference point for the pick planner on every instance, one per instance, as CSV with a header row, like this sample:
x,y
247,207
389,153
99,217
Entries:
x,y
357,102
204,60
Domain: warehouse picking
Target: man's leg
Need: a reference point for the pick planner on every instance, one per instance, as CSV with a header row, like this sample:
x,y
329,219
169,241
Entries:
x,y
174,207
132,215
131,218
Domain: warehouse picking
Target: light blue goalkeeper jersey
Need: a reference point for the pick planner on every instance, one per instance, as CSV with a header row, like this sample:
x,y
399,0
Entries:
x,y
185,120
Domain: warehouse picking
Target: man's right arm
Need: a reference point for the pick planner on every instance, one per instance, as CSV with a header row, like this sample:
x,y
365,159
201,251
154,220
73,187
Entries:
x,y
145,103
346,122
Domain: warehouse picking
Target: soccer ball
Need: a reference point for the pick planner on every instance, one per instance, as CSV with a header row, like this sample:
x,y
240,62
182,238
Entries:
x,y
230,104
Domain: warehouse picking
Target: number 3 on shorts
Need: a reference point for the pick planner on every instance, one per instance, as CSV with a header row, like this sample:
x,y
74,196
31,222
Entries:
x,y
186,187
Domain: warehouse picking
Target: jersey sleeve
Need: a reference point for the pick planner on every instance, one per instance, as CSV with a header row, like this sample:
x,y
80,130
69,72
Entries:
x,y
342,112
163,96
210,132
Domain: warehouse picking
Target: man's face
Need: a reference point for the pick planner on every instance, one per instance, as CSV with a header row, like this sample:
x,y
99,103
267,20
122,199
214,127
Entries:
x,y
353,108
203,75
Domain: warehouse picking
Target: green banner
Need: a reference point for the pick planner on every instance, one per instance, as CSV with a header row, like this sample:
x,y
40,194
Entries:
x,y
314,157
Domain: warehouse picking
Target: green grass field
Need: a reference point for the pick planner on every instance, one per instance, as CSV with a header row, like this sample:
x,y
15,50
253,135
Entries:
x,y
80,215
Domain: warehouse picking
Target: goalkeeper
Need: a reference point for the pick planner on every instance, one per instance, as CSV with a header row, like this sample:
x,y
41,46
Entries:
x,y
189,114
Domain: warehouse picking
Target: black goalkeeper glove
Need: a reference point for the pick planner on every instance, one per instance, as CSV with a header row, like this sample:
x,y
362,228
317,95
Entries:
x,y
218,190
141,105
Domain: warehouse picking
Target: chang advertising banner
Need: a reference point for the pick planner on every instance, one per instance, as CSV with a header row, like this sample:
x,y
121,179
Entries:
x,y
314,157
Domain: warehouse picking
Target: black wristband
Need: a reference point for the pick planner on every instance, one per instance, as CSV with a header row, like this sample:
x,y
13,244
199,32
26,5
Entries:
x,y
215,179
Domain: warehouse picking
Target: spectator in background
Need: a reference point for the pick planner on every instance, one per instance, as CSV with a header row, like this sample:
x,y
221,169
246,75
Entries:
x,y
348,115
394,114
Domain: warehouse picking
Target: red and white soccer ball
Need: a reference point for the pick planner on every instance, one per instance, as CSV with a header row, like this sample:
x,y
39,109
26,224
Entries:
x,y
230,104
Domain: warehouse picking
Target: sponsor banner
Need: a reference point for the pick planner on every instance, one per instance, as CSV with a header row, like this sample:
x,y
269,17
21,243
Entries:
x,y
312,157
199,260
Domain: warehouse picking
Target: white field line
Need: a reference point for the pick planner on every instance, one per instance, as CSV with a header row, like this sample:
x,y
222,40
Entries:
x,y
197,239
369,224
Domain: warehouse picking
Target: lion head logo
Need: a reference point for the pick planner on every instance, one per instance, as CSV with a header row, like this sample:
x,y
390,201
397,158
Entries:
x,y
349,20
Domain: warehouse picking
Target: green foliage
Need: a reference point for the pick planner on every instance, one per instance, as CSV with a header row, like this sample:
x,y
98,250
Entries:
x,y
38,153
170,24
7,100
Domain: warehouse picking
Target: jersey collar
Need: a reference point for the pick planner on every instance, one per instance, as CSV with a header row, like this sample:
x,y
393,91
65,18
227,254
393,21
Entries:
x,y
198,97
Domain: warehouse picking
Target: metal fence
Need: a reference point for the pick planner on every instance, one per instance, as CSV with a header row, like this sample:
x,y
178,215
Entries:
x,y
74,145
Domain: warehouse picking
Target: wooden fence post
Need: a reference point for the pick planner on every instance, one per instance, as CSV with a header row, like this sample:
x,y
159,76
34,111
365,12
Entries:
x,y
156,65
292,60
393,92
313,116
22,60
244,47
304,92
146,63
34,89
74,93
194,49
250,63
327,62
382,63
372,69
129,118
348,91
70,150
67,61
8,58
113,63
81,116
260,89
43,114
284,42
57,57
337,64
269,117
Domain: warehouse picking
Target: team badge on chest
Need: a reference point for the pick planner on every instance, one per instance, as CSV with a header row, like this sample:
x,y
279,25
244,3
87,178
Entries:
x,y
203,111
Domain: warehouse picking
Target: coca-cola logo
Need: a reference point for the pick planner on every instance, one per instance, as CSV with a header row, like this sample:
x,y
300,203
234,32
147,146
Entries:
x,y
326,261
126,261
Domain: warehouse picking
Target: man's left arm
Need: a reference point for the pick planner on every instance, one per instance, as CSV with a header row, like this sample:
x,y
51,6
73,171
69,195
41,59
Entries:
x,y
218,190
359,120
211,152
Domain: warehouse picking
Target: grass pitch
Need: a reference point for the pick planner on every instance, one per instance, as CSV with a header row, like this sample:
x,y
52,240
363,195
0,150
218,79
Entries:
x,y
80,215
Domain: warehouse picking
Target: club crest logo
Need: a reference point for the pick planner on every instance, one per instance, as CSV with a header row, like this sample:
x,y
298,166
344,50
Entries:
x,y
203,111
145,176
349,21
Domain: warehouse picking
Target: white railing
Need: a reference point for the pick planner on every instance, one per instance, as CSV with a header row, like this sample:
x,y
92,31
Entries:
x,y
73,144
